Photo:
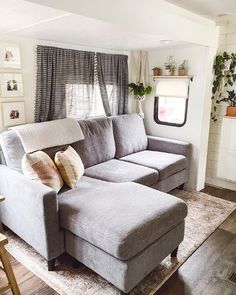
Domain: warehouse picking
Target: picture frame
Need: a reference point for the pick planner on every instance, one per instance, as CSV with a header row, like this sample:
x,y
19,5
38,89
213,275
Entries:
x,y
13,113
11,85
10,55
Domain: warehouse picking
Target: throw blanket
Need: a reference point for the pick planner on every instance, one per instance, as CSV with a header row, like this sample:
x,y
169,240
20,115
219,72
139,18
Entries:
x,y
38,136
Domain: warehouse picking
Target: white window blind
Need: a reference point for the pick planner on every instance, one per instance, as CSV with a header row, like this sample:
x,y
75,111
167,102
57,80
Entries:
x,y
177,88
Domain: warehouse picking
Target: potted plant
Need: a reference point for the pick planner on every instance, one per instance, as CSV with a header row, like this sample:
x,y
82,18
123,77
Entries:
x,y
169,67
224,71
157,71
231,100
140,91
183,68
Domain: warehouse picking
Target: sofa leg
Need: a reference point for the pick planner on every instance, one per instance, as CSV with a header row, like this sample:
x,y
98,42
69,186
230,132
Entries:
x,y
4,227
181,187
51,264
174,253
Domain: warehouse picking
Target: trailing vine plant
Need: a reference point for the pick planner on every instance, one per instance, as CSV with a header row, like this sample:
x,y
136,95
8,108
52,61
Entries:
x,y
224,79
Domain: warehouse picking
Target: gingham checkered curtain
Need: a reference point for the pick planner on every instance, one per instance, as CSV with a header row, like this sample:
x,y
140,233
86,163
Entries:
x,y
59,72
112,73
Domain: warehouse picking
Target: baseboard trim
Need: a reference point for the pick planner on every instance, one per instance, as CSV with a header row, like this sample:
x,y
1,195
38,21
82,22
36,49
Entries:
x,y
221,183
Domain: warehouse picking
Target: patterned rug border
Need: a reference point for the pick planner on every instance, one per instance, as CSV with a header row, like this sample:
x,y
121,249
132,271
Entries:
x,y
181,263
58,289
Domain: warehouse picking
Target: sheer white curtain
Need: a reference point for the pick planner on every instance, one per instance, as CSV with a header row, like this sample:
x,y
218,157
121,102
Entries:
x,y
139,67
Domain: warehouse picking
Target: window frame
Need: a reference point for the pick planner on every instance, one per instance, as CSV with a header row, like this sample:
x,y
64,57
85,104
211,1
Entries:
x,y
158,121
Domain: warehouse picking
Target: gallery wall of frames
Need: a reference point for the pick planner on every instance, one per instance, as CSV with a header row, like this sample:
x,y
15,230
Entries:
x,y
11,85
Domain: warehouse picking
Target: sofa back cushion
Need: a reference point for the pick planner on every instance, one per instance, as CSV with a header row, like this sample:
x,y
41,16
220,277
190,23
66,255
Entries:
x,y
99,144
129,133
12,149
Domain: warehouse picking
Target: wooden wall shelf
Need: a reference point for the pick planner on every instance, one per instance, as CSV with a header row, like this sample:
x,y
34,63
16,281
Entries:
x,y
172,77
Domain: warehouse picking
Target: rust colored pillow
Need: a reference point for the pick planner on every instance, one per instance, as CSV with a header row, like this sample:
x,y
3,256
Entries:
x,y
39,167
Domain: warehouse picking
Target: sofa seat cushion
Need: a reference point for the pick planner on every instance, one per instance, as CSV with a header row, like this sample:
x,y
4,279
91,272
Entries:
x,y
121,219
165,163
120,171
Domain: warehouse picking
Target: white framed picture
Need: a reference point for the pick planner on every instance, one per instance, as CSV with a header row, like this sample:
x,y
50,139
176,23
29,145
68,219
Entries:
x,y
10,56
13,113
11,84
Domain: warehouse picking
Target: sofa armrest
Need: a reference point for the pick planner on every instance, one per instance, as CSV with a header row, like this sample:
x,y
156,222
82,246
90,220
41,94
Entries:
x,y
169,146
30,210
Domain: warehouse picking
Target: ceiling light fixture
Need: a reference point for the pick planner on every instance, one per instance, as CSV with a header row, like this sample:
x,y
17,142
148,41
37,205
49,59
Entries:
x,y
166,41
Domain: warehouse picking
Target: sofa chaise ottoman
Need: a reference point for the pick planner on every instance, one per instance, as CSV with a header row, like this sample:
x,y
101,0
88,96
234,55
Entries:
x,y
116,221
121,231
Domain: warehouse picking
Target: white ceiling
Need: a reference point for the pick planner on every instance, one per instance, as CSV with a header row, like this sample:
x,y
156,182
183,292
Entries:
x,y
22,18
208,8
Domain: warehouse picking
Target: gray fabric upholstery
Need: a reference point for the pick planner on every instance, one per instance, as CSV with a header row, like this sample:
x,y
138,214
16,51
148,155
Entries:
x,y
99,144
12,149
129,134
168,184
120,171
121,219
125,275
169,146
165,163
2,158
31,210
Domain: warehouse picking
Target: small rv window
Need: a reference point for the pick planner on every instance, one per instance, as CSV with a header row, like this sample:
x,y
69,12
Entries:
x,y
171,101
170,111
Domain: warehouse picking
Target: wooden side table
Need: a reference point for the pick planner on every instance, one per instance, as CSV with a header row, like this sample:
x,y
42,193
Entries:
x,y
6,265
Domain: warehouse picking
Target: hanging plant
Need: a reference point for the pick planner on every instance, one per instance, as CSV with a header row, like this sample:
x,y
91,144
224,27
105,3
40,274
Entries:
x,y
224,78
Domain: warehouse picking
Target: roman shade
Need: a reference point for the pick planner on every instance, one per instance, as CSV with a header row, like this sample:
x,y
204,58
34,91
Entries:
x,y
172,88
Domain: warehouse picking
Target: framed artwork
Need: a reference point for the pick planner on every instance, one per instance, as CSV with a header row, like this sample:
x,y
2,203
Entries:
x,y
11,84
10,56
13,113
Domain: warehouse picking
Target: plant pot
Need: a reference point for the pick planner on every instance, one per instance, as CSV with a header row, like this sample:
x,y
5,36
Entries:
x,y
157,72
231,111
166,72
140,109
182,72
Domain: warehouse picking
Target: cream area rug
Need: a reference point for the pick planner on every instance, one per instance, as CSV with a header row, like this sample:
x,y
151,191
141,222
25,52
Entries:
x,y
205,214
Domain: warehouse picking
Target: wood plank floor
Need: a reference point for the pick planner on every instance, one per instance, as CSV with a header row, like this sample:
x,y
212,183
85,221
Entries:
x,y
202,274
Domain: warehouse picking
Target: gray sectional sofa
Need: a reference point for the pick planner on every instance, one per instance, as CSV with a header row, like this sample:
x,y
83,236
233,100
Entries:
x,y
119,220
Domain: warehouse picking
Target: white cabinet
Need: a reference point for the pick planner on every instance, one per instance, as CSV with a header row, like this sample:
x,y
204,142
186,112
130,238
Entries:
x,y
227,153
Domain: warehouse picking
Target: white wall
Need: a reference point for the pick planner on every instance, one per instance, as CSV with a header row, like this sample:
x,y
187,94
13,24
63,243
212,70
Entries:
x,y
28,70
226,43
196,128
152,17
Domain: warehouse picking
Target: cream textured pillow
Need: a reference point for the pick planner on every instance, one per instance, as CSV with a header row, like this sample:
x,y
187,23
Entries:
x,y
70,166
40,167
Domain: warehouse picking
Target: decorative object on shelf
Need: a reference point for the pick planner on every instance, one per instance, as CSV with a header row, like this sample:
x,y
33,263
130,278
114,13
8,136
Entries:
x,y
169,66
231,100
10,56
13,113
11,84
183,68
140,91
224,79
157,71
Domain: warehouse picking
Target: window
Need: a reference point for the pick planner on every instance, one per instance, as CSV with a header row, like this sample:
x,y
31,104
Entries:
x,y
171,102
83,101
170,110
